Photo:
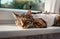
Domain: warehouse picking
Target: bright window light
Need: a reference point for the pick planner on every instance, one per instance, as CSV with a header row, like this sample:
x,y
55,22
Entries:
x,y
6,1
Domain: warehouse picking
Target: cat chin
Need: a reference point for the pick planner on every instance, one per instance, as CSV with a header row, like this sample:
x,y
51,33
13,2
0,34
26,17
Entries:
x,y
20,27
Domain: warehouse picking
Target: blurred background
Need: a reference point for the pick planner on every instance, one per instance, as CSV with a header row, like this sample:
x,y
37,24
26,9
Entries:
x,y
23,4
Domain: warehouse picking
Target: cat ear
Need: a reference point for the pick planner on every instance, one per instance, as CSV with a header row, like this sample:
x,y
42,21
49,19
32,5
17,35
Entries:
x,y
15,15
29,12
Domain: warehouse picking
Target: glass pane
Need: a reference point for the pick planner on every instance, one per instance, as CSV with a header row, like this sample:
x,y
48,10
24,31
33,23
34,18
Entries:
x,y
23,4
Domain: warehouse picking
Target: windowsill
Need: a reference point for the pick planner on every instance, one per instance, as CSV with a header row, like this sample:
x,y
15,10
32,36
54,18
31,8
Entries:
x,y
16,10
12,30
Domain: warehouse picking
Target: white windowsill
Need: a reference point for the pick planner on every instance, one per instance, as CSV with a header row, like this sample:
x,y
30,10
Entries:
x,y
12,30
16,10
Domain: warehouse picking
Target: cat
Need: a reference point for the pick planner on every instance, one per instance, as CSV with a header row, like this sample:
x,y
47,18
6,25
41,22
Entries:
x,y
26,20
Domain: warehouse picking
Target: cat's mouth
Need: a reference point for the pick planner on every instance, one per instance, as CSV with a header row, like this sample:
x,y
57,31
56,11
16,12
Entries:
x,y
27,27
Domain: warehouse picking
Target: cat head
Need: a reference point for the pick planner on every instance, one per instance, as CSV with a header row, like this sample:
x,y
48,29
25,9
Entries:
x,y
23,20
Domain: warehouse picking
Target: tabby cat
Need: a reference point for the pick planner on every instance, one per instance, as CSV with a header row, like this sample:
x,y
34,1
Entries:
x,y
26,20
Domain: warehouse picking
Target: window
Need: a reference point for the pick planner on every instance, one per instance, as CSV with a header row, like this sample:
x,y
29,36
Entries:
x,y
23,4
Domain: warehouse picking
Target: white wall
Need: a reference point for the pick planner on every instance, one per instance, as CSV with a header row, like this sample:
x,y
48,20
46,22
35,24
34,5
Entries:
x,y
57,6
6,14
47,5
52,5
